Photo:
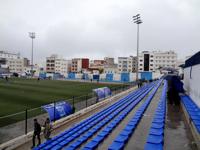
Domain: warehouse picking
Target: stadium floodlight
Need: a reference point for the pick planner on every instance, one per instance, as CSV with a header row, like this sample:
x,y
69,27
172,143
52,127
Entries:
x,y
138,21
32,36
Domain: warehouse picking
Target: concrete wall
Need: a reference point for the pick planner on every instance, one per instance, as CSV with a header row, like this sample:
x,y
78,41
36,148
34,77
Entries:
x,y
102,76
116,77
156,75
78,75
132,77
192,82
90,76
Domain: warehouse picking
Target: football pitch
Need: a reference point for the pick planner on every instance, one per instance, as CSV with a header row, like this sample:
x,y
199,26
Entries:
x,y
19,94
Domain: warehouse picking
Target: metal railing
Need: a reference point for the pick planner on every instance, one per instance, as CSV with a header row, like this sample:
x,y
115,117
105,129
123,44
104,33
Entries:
x,y
14,125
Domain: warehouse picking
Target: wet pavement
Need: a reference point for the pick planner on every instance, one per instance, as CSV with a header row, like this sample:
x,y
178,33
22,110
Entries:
x,y
139,137
108,141
178,135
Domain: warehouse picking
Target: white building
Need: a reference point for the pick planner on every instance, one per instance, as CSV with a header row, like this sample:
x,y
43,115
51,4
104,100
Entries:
x,y
28,70
55,64
14,61
110,69
109,61
15,65
127,64
152,61
80,65
62,66
8,55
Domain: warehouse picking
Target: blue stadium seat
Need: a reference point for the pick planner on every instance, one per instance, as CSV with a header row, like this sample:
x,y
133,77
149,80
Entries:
x,y
155,138
92,124
122,138
116,146
124,135
193,111
154,131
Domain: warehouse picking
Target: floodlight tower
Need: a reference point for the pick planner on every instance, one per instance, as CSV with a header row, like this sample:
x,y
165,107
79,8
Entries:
x,y
32,36
138,21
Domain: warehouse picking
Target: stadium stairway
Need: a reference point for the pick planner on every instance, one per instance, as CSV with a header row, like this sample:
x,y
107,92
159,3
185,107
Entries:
x,y
155,138
58,142
102,123
120,141
109,127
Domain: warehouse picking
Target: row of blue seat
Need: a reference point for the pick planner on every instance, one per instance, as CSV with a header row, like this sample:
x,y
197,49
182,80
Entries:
x,y
193,111
120,113
155,139
72,132
74,129
120,141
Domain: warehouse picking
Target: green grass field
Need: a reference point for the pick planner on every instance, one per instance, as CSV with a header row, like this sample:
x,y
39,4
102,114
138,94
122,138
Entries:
x,y
19,94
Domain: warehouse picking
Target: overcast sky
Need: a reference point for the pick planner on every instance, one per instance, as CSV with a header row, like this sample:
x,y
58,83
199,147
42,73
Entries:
x,y
98,28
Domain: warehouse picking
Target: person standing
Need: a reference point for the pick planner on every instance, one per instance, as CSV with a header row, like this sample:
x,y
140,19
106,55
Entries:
x,y
6,78
138,83
47,129
37,130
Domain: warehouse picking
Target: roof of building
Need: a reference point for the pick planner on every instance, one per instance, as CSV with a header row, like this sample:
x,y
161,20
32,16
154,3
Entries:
x,y
193,60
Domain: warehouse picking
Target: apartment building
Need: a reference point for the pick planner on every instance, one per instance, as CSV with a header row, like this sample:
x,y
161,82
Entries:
x,y
109,61
127,64
98,64
79,65
13,61
152,61
111,69
62,66
9,55
55,64
15,65
50,63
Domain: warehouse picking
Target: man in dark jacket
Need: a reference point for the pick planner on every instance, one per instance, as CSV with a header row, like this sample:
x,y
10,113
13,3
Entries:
x,y
37,130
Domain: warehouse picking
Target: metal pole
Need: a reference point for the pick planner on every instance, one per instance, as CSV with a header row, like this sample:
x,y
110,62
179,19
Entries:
x,y
137,52
86,100
32,59
73,101
26,118
54,111
104,94
138,21
32,36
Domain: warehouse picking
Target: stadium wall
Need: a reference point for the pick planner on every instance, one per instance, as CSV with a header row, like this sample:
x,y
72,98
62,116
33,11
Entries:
x,y
192,82
102,77
116,77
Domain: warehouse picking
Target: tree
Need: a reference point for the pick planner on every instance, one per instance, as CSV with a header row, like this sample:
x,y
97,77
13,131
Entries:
x,y
101,70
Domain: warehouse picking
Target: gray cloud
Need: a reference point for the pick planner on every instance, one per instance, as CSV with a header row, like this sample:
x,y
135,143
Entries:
x,y
94,28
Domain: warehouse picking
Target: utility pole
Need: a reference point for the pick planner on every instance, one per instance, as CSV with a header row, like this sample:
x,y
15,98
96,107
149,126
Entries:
x,y
138,21
32,36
